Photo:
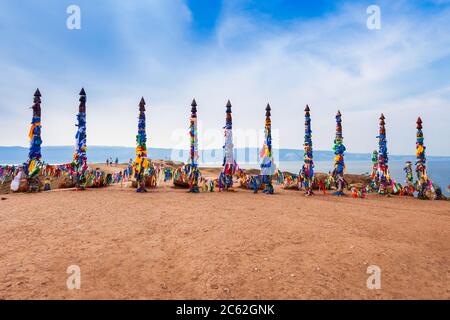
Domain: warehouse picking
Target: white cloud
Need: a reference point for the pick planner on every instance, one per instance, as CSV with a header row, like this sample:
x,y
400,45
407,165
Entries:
x,y
329,62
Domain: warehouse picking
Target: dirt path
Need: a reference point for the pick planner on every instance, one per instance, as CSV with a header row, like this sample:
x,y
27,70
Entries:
x,y
170,244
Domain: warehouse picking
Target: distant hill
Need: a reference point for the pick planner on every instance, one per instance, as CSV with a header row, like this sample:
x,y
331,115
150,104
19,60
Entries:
x,y
64,154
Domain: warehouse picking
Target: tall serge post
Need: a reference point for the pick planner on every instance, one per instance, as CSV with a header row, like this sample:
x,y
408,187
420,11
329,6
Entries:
x,y
267,164
339,164
382,176
373,184
409,179
194,173
307,171
141,163
80,158
424,184
33,166
229,164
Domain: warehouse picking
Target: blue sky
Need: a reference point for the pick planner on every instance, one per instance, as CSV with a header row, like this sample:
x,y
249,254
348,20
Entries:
x,y
288,53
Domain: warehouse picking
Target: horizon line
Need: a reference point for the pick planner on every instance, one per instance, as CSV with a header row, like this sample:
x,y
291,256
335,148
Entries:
x,y
168,148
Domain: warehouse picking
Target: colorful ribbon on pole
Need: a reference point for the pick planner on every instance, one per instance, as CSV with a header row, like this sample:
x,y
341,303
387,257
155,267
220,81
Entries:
x,y
373,184
307,171
80,157
424,184
229,164
33,165
382,176
339,164
409,179
268,167
194,174
141,163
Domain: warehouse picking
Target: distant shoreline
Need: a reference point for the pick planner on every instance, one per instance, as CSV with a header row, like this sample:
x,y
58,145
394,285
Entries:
x,y
64,154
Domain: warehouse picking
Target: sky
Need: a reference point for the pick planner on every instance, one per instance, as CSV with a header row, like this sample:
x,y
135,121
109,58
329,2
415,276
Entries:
x,y
287,53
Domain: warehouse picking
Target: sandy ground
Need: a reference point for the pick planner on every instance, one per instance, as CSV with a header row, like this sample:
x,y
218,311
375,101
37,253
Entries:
x,y
168,244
